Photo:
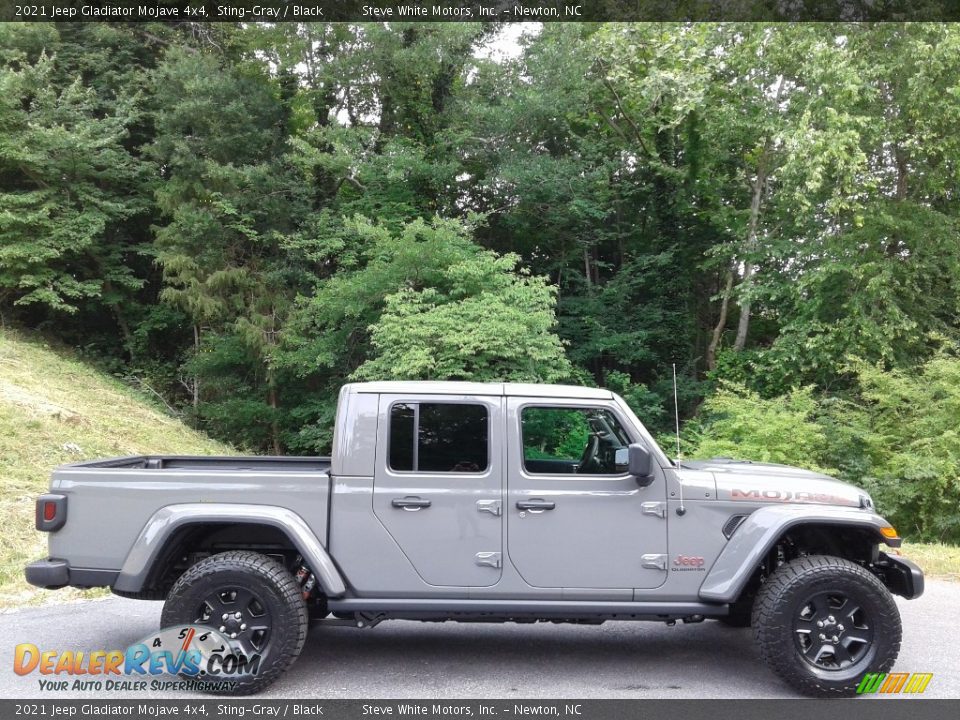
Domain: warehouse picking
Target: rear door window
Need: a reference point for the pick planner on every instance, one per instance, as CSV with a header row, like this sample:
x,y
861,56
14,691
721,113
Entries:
x,y
439,437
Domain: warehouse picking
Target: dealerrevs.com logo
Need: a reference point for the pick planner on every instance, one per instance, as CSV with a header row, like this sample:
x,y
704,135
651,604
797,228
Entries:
x,y
204,659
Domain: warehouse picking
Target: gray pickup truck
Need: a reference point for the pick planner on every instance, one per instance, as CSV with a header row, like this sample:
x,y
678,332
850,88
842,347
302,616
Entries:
x,y
478,502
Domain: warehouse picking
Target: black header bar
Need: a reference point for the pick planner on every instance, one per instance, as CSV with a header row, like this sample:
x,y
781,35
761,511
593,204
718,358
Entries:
x,y
49,707
178,11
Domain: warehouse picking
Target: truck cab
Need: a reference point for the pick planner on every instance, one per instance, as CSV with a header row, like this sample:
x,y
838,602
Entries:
x,y
480,490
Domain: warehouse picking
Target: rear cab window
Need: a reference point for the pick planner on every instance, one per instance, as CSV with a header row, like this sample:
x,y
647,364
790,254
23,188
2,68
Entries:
x,y
439,437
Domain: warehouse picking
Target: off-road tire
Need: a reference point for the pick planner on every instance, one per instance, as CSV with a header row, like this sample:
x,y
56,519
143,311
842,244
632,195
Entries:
x,y
782,624
270,583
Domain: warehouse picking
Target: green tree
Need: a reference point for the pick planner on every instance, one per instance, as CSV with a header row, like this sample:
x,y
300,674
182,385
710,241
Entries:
x,y
879,276
899,438
231,206
68,188
566,182
331,326
486,321
738,423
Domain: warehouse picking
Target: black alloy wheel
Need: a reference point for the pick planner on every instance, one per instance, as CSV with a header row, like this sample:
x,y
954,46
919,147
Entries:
x,y
823,622
833,631
239,615
254,602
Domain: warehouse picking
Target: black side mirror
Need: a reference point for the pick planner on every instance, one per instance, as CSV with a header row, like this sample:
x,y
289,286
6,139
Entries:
x,y
639,464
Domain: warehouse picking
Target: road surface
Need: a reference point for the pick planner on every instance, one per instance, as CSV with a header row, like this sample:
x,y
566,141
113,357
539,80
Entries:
x,y
402,659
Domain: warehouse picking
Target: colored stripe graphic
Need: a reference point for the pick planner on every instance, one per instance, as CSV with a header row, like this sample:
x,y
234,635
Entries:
x,y
918,683
871,683
893,683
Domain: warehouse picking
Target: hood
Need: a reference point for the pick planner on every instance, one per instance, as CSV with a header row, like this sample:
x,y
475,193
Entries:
x,y
753,482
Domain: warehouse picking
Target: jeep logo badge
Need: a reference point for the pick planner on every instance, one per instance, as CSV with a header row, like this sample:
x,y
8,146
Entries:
x,y
687,562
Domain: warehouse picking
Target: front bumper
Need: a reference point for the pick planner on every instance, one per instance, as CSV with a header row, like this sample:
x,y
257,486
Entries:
x,y
52,574
901,576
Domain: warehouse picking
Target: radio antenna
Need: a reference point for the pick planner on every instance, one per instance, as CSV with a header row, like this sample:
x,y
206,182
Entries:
x,y
676,416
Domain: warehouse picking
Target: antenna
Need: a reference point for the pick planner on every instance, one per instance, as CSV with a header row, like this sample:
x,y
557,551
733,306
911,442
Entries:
x,y
676,416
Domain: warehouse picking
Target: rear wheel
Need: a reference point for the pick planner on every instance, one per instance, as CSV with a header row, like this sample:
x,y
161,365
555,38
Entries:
x,y
823,622
252,600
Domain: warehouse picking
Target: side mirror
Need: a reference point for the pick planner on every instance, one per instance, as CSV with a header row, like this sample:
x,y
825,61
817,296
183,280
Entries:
x,y
639,464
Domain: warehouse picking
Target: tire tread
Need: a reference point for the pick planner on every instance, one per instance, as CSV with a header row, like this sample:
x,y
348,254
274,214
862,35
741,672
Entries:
x,y
769,623
282,581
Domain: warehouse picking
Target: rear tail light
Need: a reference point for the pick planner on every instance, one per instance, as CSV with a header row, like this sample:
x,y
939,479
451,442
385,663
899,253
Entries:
x,y
51,512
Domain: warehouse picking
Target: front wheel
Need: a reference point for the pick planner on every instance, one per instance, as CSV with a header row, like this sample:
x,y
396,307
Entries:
x,y
252,600
823,622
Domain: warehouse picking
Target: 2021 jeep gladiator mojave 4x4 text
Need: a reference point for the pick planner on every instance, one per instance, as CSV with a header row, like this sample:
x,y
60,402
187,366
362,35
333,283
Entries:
x,y
469,501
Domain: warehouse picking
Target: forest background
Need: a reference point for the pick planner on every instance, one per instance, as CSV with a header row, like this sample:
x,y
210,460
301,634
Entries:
x,y
237,219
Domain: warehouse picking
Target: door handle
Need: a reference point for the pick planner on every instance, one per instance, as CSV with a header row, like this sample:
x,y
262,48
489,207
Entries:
x,y
410,504
535,505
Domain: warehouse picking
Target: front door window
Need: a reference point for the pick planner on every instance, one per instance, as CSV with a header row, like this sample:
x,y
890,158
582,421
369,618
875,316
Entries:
x,y
581,441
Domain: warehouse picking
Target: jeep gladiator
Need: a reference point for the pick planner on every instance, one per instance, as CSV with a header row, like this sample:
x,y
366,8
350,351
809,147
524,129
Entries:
x,y
487,501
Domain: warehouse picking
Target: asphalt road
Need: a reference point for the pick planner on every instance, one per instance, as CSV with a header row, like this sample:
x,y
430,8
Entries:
x,y
451,660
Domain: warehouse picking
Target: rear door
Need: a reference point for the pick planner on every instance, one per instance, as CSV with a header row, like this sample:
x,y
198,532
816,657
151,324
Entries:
x,y
575,517
438,485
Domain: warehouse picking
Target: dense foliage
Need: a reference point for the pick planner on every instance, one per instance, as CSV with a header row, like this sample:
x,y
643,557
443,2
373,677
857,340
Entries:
x,y
242,218
896,435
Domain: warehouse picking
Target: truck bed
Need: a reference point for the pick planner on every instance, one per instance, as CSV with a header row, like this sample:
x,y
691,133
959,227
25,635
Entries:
x,y
110,501
255,463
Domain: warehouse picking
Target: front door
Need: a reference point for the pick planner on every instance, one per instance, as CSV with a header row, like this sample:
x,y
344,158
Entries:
x,y
438,486
576,519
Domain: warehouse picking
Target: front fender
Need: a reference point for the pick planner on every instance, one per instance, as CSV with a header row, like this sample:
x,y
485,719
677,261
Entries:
x,y
758,533
161,526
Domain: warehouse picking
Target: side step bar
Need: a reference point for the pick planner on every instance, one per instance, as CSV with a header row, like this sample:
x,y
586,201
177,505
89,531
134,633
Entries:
x,y
418,608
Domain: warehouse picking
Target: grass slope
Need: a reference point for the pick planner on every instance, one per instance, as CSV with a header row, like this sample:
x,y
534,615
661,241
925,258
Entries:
x,y
55,409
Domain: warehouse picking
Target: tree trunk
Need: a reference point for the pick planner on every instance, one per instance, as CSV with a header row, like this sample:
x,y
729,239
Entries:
x,y
743,326
759,184
271,340
894,244
196,378
274,429
121,323
902,173
721,322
